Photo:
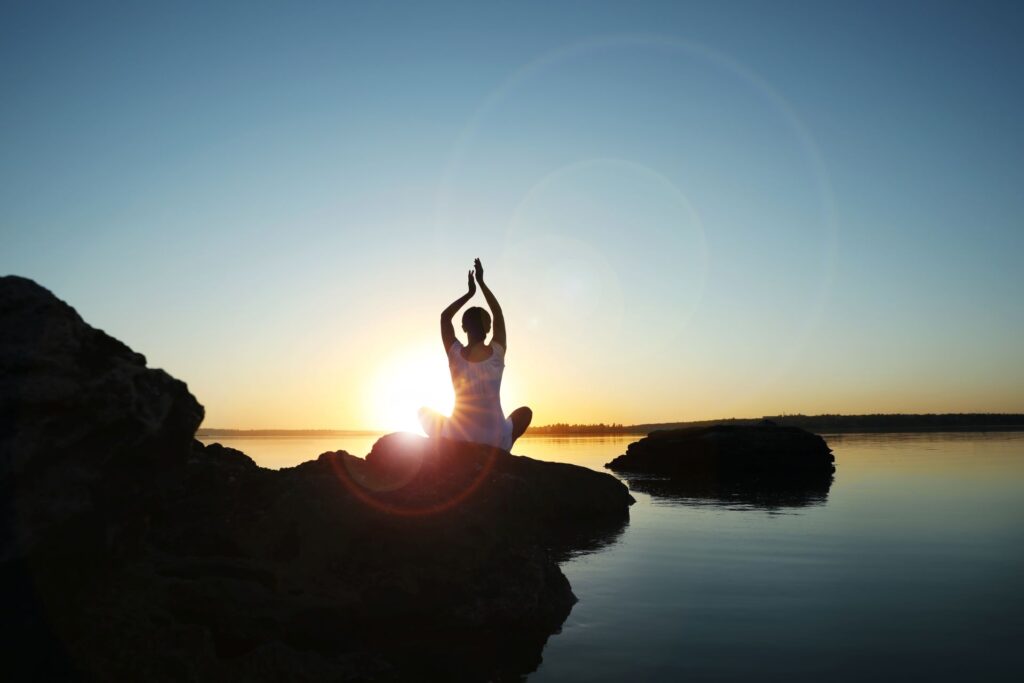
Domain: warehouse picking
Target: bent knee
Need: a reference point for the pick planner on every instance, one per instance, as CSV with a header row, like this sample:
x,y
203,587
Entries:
x,y
428,414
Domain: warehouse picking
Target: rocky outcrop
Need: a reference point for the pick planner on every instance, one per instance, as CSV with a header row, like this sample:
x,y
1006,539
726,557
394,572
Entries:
x,y
130,551
67,389
765,464
74,403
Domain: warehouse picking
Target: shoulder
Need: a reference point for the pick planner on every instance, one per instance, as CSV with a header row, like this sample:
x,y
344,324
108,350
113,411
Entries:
x,y
497,350
455,350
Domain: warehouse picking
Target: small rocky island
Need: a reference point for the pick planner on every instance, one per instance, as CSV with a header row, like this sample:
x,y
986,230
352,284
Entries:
x,y
764,464
130,551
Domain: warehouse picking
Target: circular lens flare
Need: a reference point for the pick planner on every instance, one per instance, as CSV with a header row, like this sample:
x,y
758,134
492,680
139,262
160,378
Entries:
x,y
404,485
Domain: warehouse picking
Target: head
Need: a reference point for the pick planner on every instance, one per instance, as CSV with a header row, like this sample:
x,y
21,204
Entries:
x,y
476,322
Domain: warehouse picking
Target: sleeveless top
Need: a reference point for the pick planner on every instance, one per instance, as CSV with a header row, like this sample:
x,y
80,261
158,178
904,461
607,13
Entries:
x,y
477,415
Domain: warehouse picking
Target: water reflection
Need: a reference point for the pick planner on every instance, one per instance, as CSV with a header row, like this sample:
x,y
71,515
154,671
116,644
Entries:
x,y
760,494
910,571
592,538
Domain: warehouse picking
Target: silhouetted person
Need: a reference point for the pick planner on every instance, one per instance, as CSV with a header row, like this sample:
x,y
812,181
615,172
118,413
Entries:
x,y
476,370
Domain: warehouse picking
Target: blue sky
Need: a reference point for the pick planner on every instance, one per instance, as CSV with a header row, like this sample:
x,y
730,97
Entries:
x,y
687,210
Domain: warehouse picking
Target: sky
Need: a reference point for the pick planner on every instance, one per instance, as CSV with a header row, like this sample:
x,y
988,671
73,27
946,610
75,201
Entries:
x,y
687,210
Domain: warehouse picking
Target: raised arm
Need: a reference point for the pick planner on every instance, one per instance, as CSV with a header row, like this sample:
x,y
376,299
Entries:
x,y
447,330
492,302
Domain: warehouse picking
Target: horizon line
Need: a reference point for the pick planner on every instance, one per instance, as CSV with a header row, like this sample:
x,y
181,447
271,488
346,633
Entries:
x,y
611,425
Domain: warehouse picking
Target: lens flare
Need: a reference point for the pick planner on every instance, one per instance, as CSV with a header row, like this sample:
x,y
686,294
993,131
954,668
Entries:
x,y
414,378
403,485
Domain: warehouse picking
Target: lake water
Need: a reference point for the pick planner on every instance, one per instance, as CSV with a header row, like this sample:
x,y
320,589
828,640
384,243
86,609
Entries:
x,y
911,567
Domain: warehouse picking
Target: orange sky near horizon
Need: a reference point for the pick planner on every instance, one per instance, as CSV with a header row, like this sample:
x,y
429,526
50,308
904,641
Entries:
x,y
384,392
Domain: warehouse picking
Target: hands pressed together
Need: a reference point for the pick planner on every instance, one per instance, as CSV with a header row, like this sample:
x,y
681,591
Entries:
x,y
474,278
478,270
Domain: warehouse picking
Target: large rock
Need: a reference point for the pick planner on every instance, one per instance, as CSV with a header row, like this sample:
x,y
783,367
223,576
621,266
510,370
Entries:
x,y
765,464
74,402
130,551
67,389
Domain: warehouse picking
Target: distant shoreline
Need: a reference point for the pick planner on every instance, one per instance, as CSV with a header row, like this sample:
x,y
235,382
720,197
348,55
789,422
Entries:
x,y
212,433
835,424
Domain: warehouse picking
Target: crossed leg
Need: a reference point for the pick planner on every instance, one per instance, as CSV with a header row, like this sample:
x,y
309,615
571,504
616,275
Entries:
x,y
521,418
431,421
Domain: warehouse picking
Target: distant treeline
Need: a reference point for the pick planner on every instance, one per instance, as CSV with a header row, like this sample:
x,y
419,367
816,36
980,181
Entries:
x,y
584,429
817,423
902,423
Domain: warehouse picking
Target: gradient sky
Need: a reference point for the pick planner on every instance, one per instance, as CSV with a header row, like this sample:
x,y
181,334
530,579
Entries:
x,y
687,211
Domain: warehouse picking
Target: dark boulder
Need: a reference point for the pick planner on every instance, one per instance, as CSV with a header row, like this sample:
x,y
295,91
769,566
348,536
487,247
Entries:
x,y
765,464
131,551
75,406
69,390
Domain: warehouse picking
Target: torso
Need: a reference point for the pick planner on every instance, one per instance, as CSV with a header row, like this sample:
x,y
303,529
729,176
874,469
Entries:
x,y
476,353
476,377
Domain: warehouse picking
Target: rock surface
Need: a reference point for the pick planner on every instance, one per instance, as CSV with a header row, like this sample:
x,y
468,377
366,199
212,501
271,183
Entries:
x,y
130,551
762,464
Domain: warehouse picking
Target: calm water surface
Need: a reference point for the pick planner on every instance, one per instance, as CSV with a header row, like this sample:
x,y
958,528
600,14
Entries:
x,y
912,567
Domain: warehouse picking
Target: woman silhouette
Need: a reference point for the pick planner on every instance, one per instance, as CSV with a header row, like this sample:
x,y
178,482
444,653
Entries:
x,y
476,370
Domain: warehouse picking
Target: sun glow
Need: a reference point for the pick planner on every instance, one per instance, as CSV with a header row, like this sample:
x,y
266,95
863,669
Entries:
x,y
414,378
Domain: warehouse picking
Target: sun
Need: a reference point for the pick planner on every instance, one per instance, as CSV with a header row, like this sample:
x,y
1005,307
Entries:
x,y
415,377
